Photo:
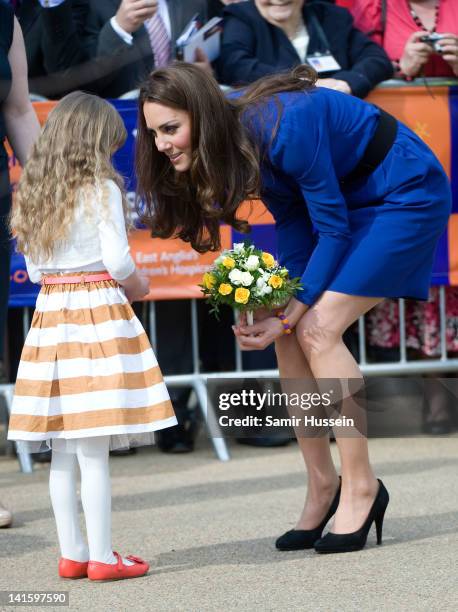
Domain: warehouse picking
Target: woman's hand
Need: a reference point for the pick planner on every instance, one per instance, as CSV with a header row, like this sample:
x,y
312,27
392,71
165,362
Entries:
x,y
449,50
258,336
416,55
258,315
336,84
267,328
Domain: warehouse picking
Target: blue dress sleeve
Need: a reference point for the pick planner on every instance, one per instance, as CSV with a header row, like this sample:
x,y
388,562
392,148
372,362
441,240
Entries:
x,y
301,150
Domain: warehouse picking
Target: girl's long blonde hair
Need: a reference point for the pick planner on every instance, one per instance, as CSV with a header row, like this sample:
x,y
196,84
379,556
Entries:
x,y
71,156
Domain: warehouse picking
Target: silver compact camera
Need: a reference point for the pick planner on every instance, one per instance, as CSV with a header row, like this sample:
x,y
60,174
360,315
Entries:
x,y
433,40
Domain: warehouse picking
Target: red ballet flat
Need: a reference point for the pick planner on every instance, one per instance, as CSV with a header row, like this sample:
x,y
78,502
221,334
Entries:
x,y
118,571
72,569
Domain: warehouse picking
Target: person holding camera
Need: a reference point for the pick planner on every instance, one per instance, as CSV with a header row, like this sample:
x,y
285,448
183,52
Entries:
x,y
420,37
261,38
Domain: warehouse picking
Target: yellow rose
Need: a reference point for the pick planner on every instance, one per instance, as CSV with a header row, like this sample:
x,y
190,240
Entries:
x,y
208,280
229,263
242,295
268,259
275,281
225,289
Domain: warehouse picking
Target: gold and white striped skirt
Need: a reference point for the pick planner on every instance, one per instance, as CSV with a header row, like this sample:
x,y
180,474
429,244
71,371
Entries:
x,y
87,369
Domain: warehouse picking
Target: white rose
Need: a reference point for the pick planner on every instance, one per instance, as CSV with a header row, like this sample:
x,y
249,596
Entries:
x,y
252,263
261,282
246,279
238,247
235,276
264,290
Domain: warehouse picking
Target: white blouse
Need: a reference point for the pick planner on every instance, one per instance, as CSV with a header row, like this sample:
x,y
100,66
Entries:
x,y
97,240
301,41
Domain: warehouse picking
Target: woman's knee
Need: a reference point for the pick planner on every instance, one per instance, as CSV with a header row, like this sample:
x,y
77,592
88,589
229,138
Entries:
x,y
315,336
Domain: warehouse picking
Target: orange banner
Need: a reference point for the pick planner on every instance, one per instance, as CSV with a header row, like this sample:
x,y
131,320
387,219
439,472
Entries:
x,y
425,113
453,249
174,269
42,110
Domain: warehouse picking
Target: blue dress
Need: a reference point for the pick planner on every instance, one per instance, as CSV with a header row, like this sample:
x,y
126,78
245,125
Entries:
x,y
374,237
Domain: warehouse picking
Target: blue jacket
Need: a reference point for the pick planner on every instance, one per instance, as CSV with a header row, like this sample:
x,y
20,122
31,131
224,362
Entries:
x,y
355,237
253,48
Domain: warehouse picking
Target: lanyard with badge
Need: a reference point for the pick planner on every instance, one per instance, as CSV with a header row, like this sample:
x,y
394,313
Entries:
x,y
321,61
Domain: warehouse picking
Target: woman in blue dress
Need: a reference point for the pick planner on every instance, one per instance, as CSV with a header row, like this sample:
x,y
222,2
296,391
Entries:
x,y
359,203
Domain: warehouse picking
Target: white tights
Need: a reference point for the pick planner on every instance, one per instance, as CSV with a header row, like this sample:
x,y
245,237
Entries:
x,y
92,455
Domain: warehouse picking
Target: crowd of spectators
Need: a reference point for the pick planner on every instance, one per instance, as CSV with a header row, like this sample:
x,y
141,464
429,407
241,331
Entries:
x,y
107,47
259,40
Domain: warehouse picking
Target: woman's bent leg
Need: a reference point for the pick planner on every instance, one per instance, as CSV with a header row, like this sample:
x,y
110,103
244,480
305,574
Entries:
x,y
322,477
320,336
62,489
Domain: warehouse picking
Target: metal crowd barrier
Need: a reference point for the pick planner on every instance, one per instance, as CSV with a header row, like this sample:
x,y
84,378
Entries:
x,y
197,380
25,460
444,363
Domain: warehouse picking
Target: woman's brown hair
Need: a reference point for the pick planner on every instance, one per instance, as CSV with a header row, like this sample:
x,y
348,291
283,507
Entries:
x,y
226,157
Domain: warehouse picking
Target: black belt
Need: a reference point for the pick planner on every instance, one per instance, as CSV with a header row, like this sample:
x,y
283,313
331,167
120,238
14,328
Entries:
x,y
376,150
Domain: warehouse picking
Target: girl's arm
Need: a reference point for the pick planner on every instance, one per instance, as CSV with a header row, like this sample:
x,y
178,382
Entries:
x,y
34,273
22,127
115,246
135,286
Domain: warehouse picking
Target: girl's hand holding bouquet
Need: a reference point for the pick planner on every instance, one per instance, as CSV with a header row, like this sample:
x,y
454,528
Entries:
x,y
252,282
136,287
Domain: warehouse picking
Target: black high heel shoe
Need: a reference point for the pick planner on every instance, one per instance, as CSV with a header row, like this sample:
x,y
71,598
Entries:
x,y
349,542
302,539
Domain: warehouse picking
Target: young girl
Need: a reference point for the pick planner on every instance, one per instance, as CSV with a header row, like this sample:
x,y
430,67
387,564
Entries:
x,y
88,380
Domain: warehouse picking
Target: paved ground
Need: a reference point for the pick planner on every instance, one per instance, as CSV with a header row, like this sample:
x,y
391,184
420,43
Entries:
x,y
208,529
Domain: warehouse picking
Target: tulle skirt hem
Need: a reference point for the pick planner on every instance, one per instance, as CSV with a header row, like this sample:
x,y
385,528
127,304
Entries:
x,y
65,445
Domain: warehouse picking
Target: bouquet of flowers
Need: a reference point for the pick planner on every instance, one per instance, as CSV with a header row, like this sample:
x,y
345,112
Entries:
x,y
247,279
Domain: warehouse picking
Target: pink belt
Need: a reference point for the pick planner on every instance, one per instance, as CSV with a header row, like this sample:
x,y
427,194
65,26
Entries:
x,y
65,279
